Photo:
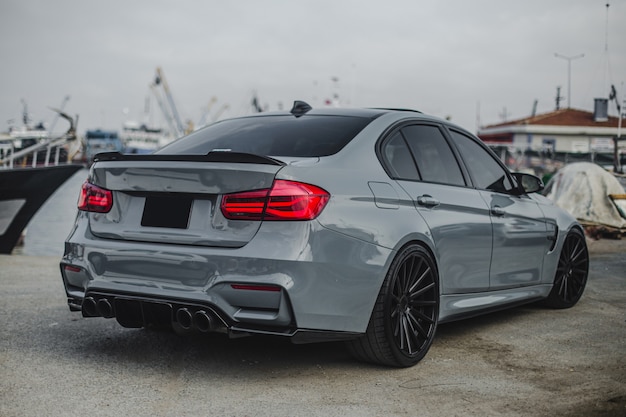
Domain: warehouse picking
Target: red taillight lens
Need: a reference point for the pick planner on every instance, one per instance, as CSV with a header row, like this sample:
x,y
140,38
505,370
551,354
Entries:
x,y
249,205
286,200
291,200
95,199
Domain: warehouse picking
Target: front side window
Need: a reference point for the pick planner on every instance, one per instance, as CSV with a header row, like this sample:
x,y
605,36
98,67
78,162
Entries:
x,y
485,170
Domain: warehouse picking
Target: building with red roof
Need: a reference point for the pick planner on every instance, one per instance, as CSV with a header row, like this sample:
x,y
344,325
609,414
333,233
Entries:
x,y
561,134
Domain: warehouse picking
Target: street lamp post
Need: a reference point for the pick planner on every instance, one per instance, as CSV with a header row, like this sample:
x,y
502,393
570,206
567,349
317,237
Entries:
x,y
569,74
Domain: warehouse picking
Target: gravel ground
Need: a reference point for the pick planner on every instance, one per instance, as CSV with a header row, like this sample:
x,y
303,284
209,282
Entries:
x,y
528,361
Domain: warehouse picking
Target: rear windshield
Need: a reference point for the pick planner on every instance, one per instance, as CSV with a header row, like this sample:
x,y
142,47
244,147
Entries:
x,y
307,136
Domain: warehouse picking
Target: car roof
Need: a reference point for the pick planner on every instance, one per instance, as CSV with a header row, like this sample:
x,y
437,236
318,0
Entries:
x,y
370,113
365,112
327,111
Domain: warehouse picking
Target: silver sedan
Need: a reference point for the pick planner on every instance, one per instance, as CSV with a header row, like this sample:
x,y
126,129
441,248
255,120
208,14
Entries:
x,y
365,225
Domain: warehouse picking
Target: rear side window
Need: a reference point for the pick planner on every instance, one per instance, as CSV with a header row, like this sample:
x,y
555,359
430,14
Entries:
x,y
434,158
306,136
399,159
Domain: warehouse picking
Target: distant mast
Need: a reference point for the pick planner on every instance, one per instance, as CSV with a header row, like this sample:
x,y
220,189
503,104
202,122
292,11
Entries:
x,y
607,66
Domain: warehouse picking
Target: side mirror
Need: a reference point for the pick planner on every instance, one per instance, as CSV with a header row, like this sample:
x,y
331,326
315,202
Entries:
x,y
528,183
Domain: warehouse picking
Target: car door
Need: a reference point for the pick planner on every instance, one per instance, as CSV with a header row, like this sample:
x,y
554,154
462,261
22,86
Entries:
x,y
419,157
520,238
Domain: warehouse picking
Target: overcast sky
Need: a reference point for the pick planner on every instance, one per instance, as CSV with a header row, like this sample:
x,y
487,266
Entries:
x,y
457,58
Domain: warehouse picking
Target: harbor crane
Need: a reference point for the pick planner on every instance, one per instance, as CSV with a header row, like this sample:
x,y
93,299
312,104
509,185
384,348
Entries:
x,y
168,107
165,100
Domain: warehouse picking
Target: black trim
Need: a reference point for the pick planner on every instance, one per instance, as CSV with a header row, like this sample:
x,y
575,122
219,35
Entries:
x,y
305,336
215,156
396,109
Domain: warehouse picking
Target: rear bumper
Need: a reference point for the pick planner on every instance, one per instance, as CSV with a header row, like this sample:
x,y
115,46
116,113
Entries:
x,y
296,279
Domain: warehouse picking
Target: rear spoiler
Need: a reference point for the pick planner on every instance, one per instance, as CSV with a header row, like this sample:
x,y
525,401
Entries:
x,y
215,156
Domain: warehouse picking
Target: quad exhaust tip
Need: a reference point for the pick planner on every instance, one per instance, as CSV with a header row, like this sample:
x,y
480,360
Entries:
x,y
105,309
184,318
89,307
201,320
95,308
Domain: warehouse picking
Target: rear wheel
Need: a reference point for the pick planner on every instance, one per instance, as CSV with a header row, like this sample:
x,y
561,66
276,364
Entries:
x,y
404,320
571,273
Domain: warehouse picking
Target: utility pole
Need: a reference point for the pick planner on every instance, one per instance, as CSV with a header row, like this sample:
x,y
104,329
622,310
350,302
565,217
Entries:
x,y
569,74
558,98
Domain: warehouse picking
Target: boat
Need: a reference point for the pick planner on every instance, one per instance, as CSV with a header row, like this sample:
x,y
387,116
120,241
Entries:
x,y
141,138
19,138
33,165
98,140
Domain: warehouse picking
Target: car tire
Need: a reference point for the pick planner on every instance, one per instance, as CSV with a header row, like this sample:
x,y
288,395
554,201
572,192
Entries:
x,y
571,272
404,320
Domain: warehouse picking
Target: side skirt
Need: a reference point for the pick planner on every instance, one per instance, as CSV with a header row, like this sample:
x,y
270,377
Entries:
x,y
461,306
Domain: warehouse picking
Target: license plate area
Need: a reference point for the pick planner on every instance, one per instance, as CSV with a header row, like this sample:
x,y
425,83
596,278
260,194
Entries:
x,y
167,211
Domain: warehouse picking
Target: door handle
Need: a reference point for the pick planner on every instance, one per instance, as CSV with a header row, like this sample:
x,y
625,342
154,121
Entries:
x,y
497,211
427,201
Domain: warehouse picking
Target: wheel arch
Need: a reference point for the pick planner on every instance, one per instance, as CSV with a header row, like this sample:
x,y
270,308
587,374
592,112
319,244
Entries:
x,y
570,277
578,227
386,341
420,239
564,232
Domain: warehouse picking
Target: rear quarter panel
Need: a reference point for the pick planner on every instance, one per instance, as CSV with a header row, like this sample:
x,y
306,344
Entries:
x,y
365,203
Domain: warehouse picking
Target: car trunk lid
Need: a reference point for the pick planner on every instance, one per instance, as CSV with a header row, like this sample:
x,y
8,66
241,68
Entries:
x,y
175,199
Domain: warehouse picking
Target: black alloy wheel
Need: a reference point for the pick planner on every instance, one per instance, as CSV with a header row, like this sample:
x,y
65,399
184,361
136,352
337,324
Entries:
x,y
404,320
571,272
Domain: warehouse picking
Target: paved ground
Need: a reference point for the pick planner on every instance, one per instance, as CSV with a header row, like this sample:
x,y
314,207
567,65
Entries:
x,y
523,362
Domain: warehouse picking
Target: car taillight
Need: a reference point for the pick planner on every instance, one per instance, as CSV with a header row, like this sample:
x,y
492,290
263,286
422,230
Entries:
x,y
95,199
286,200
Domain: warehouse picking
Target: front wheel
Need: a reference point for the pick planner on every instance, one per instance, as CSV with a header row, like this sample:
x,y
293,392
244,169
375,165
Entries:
x,y
571,272
403,323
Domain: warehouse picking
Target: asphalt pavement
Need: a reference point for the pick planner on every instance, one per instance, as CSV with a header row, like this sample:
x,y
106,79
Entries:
x,y
528,361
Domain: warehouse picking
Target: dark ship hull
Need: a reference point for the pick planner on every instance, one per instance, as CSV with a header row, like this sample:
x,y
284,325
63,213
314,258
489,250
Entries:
x,y
22,192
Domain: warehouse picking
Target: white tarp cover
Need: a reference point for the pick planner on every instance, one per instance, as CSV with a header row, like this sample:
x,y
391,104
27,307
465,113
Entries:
x,y
583,189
